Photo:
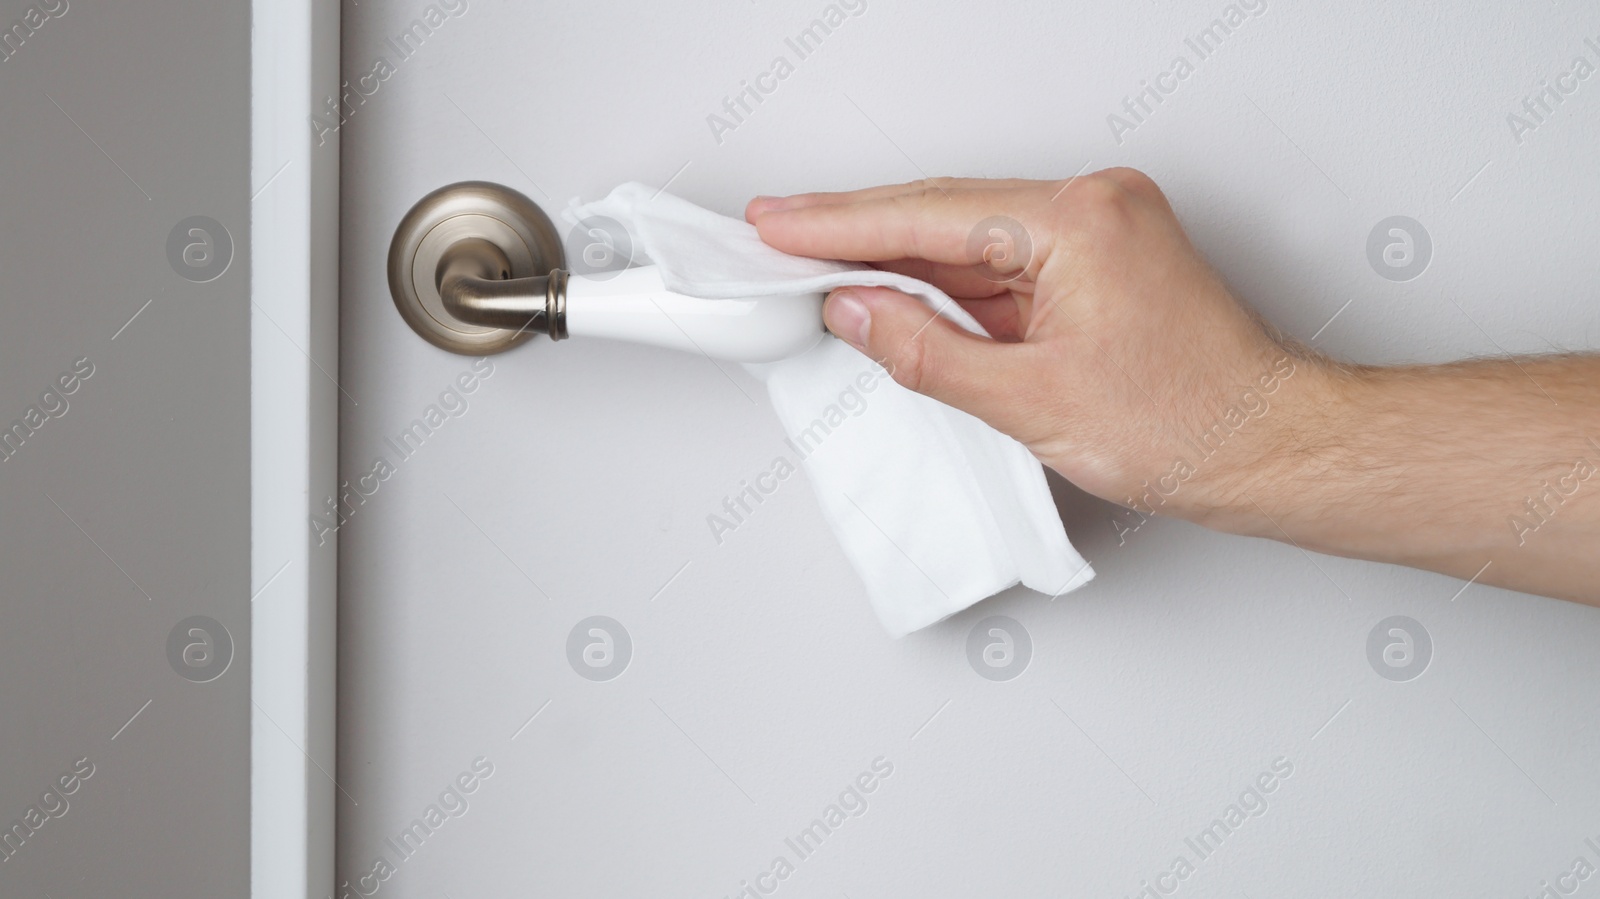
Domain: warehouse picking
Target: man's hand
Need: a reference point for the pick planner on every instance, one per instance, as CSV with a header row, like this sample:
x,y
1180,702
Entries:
x,y
1116,347
1121,360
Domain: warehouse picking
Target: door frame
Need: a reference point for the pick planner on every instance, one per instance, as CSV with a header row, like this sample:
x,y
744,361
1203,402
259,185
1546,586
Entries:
x,y
294,419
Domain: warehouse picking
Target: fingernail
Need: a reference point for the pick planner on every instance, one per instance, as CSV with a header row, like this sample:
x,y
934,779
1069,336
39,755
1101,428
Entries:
x,y
847,316
764,203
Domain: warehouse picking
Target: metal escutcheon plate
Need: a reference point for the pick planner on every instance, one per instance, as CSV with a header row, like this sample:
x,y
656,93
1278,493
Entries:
x,y
495,213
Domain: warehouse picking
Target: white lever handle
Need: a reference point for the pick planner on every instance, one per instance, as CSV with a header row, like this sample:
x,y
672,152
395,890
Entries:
x,y
634,305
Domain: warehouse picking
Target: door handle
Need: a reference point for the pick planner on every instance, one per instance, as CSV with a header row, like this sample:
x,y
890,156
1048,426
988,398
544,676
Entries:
x,y
474,281
478,268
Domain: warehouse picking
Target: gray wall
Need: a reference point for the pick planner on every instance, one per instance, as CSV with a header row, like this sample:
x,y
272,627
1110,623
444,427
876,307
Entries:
x,y
760,686
126,509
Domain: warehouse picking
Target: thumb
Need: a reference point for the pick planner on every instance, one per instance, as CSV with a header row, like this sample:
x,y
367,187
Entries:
x,y
929,353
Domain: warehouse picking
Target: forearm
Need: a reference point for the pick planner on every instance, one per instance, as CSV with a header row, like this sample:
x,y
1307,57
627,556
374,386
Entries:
x,y
1448,467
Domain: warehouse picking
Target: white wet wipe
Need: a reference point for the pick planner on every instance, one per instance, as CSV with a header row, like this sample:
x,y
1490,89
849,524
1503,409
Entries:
x,y
934,509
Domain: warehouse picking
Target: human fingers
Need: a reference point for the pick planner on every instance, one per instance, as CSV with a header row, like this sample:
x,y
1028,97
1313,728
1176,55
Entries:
x,y
929,354
758,205
954,227
964,282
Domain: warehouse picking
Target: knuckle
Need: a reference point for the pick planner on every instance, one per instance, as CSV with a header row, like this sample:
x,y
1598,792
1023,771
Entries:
x,y
1134,182
908,204
908,364
1105,211
910,212
1087,190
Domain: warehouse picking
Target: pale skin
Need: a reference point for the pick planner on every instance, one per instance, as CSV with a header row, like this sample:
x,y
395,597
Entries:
x,y
1115,348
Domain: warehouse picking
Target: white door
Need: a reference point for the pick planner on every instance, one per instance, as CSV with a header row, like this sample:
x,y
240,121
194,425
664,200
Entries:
x,y
737,692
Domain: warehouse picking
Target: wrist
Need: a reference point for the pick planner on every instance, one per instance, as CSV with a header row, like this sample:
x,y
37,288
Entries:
x,y
1285,462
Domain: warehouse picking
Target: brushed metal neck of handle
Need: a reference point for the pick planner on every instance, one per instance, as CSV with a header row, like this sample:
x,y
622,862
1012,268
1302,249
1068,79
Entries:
x,y
475,283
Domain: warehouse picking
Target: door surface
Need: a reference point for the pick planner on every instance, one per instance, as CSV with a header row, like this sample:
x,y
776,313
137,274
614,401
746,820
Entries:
x,y
1225,716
